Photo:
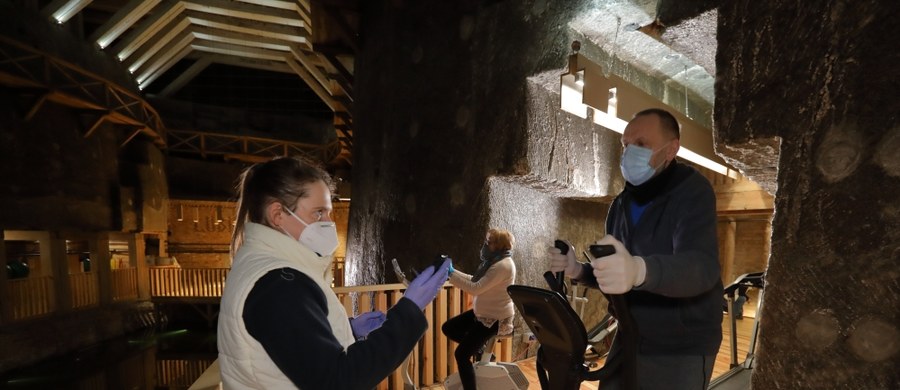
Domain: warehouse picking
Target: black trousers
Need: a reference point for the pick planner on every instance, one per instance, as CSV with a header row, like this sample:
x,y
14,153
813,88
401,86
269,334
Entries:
x,y
471,335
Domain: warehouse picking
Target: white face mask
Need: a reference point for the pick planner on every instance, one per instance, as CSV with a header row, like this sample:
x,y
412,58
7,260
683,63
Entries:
x,y
636,164
320,236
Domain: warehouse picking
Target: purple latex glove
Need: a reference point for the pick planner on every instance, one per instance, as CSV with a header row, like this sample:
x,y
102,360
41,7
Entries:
x,y
425,287
366,322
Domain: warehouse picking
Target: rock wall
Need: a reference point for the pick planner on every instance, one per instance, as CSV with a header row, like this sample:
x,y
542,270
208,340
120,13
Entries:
x,y
817,84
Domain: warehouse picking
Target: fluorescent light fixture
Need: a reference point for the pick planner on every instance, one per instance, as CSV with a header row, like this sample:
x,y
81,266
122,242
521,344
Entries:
x,y
572,100
571,96
67,10
122,20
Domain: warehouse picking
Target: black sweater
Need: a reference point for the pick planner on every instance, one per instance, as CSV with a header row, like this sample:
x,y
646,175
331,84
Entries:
x,y
678,308
288,316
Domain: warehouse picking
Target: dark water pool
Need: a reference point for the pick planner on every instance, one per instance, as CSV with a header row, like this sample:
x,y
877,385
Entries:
x,y
149,360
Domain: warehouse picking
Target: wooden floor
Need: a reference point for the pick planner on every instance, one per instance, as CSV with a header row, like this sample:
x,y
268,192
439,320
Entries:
x,y
723,360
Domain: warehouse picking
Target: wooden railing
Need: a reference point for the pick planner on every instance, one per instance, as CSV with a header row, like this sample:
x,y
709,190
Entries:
x,y
30,297
124,284
84,289
187,282
433,359
179,374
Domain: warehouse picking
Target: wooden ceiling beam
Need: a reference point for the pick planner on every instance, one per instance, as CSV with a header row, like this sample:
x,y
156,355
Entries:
x,y
246,11
165,66
162,15
121,21
63,10
241,39
236,50
171,46
320,90
185,77
249,27
244,62
172,31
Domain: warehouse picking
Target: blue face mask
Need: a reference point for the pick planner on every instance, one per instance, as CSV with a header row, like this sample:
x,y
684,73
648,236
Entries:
x,y
636,164
485,253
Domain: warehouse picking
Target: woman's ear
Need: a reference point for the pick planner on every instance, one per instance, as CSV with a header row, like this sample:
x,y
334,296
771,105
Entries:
x,y
274,214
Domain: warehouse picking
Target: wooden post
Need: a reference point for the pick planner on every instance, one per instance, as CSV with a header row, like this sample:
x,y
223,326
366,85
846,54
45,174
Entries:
x,y
440,353
99,248
5,307
138,258
55,250
727,251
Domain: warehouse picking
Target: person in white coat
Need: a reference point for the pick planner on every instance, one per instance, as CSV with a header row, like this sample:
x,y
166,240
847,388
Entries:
x,y
281,326
492,308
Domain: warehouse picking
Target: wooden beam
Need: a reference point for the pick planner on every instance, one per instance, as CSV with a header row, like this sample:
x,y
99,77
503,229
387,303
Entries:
x,y
134,133
121,21
313,84
186,77
320,77
63,10
96,125
236,50
173,31
244,62
168,10
163,56
246,11
250,27
168,64
36,106
237,38
742,197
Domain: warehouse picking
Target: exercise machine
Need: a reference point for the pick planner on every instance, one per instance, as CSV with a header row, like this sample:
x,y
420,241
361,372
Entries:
x,y
562,336
488,374
738,377
491,375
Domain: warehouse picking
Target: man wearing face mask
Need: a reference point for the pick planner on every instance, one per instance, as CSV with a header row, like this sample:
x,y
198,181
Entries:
x,y
492,308
663,228
281,326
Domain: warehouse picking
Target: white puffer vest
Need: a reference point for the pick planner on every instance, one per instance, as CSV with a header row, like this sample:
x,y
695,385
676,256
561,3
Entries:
x,y
243,361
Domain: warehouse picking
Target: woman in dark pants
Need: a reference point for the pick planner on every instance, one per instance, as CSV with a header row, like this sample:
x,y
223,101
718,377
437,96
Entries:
x,y
492,309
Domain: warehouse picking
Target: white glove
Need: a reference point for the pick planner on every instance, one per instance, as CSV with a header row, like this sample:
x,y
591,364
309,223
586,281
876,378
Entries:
x,y
618,273
564,262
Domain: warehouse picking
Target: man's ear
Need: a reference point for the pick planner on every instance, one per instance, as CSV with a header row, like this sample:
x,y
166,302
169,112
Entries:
x,y
274,214
673,149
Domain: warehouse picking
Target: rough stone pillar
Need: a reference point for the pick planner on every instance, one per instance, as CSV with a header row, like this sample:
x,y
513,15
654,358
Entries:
x,y
823,79
448,96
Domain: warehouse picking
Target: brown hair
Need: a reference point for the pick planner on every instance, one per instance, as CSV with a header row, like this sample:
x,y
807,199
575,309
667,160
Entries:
x,y
283,180
503,238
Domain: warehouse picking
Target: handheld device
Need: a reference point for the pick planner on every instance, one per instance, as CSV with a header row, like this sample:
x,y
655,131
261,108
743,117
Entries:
x,y
560,280
599,251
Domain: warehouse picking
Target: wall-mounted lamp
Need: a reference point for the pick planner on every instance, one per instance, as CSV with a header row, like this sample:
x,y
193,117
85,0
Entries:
x,y
196,214
218,215
613,101
179,214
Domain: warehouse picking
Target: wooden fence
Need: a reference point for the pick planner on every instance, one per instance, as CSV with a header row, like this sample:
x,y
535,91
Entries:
x,y
84,289
432,360
187,282
124,284
31,296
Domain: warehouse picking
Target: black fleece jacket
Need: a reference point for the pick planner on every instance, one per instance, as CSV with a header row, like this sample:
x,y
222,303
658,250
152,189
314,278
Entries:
x,y
678,308
289,317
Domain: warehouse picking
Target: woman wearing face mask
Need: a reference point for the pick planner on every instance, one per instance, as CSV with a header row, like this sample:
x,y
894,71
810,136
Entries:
x,y
281,326
492,309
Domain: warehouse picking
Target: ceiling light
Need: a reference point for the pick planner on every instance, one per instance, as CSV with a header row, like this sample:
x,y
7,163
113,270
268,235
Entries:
x,y
613,101
67,9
